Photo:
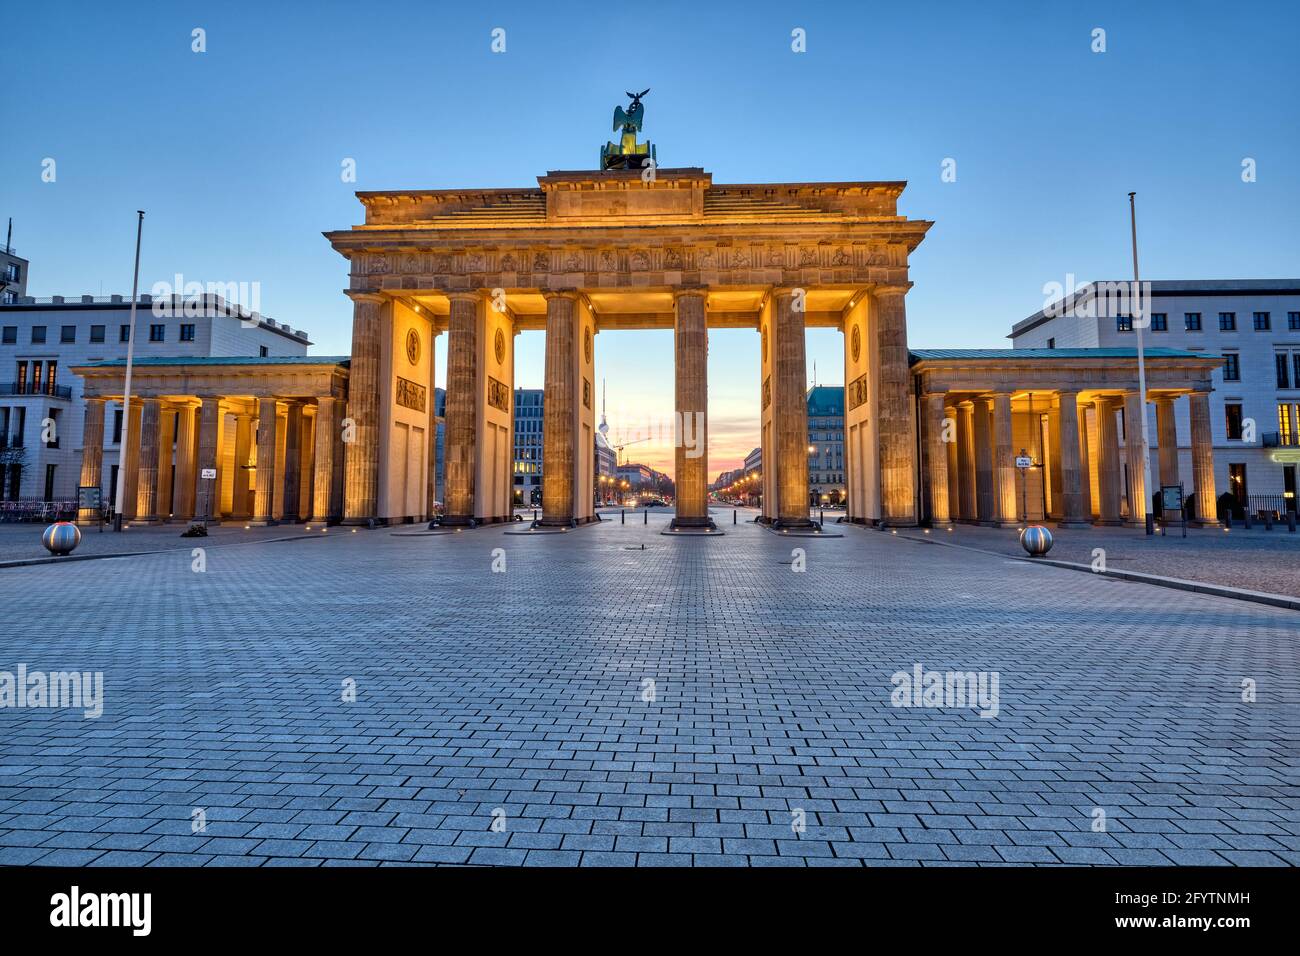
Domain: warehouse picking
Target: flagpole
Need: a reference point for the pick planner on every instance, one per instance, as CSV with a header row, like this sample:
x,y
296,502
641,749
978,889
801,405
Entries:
x,y
1139,321
126,390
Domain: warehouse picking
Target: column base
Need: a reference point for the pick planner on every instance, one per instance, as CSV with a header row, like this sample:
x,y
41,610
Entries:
x,y
322,520
147,519
1108,522
942,525
1073,523
692,524
257,522
1204,523
454,521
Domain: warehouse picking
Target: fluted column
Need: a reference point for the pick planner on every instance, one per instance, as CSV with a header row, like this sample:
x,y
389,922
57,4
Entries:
x,y
985,485
1074,473
206,495
1207,508
559,408
146,500
954,465
1107,462
897,430
936,460
92,453
183,506
966,461
361,454
306,461
1138,503
460,436
268,440
691,396
790,412
321,509
1004,464
131,480
244,426
164,505
1167,440
292,461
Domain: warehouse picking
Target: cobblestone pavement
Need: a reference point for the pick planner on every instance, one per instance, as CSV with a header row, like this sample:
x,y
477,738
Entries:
x,y
525,693
1254,560
22,541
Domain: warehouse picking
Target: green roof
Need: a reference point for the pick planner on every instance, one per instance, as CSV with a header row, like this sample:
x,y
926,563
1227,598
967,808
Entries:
x,y
154,361
920,355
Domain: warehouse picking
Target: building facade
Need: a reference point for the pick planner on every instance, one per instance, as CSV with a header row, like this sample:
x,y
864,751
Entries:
x,y
529,422
826,446
1251,327
41,406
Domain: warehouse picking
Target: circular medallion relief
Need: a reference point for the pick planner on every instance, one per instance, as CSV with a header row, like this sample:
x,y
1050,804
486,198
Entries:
x,y
412,346
586,344
857,342
499,344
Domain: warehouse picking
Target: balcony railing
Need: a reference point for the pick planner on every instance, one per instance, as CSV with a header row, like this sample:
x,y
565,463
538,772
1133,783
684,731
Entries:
x,y
26,388
1279,440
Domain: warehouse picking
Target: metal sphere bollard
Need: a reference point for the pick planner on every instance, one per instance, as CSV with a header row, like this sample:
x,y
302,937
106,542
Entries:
x,y
1037,540
61,538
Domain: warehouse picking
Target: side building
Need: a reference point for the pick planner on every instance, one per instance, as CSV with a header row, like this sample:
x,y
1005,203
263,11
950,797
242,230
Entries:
x,y
41,405
1252,327
826,446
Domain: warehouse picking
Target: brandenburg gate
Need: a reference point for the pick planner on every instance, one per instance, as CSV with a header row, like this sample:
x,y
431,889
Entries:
x,y
622,249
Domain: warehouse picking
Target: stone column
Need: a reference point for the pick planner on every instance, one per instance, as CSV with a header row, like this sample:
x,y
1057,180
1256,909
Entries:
x,y
1207,507
362,452
691,454
936,460
183,506
559,408
1138,504
1085,465
268,441
1074,472
1004,464
146,499
166,442
321,509
1107,462
954,465
131,480
92,453
207,492
292,461
1167,440
460,438
966,461
897,431
985,492
306,461
243,446
790,412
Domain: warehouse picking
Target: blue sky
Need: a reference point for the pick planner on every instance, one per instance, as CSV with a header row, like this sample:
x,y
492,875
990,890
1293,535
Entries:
x,y
235,153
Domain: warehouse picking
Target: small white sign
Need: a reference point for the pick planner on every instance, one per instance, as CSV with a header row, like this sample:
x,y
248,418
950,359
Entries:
x,y
1024,462
208,473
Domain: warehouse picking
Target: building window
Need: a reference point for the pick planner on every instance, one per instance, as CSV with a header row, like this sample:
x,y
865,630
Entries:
x,y
124,334
20,380
1293,321
1284,429
1123,323
11,335
1231,367
54,417
38,335
263,351
96,333
51,370
187,332
157,332
1051,343
1159,322
67,333
1192,321
1283,361
1227,321
1262,322
1232,414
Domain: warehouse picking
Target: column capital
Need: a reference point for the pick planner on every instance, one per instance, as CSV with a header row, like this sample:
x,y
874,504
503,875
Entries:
x,y
695,290
931,394
466,295
565,293
365,295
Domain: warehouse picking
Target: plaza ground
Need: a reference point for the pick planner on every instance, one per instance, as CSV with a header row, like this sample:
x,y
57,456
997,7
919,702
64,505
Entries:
x,y
523,696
